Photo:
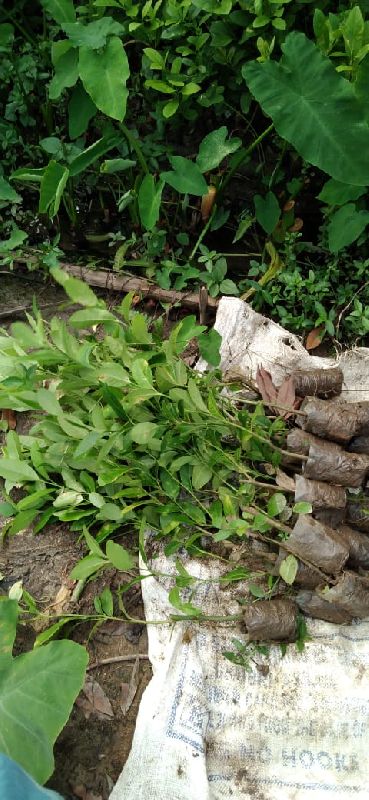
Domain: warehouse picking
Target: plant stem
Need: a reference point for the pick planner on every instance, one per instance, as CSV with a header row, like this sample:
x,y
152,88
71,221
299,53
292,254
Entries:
x,y
134,145
202,234
242,157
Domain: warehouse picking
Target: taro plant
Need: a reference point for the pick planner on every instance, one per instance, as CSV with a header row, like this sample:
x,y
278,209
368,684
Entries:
x,y
37,691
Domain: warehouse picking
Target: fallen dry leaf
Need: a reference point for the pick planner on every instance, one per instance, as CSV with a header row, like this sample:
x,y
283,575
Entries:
x,y
286,398
283,400
10,417
289,205
297,225
207,202
314,338
62,599
265,385
128,690
95,701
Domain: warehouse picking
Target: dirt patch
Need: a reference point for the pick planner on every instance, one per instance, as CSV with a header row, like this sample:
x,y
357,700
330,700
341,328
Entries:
x,y
89,753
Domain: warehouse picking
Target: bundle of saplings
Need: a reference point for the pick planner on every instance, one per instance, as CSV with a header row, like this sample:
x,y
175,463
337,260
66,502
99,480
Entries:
x,y
328,457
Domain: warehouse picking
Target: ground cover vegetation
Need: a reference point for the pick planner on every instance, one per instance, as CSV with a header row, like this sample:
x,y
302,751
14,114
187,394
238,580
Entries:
x,y
212,143
135,131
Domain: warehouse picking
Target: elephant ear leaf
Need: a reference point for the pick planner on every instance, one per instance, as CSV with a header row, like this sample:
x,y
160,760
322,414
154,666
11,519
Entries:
x,y
314,108
37,692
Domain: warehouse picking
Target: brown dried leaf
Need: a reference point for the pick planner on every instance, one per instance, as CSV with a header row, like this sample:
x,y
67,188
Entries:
x,y
128,690
95,701
289,205
265,385
286,398
10,417
62,599
297,225
207,202
314,338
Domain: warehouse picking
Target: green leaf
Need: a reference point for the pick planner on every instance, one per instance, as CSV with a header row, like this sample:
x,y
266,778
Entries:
x,y
209,346
22,521
52,187
49,402
104,602
93,34
50,632
78,291
345,226
17,237
68,499
37,691
170,108
119,557
214,148
88,317
143,432
228,287
319,114
256,590
276,504
17,471
195,396
9,611
104,74
201,475
149,200
335,193
7,510
25,174
8,193
110,511
60,10
187,608
92,154
267,211
87,443
81,110
186,177
114,165
302,508
87,567
160,86
288,569
66,71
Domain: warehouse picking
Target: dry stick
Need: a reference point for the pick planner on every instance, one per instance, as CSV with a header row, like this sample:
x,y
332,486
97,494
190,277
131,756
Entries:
x,y
117,659
20,310
105,279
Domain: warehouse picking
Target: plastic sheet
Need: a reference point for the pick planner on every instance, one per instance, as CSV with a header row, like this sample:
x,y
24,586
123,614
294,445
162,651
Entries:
x,y
317,544
314,606
271,620
335,465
